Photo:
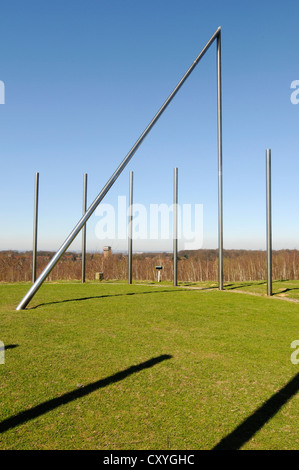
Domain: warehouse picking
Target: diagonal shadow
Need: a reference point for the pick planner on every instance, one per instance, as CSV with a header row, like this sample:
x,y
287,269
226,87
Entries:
x,y
250,426
248,284
50,405
287,289
100,297
10,346
197,288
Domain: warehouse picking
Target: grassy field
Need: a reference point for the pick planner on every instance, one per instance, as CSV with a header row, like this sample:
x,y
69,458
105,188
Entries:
x,y
111,366
281,288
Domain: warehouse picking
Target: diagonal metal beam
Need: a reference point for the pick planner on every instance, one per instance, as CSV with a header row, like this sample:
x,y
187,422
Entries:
x,y
32,291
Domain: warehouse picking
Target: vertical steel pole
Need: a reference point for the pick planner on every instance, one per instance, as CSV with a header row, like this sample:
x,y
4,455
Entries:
x,y
83,264
175,228
35,222
220,191
269,223
130,229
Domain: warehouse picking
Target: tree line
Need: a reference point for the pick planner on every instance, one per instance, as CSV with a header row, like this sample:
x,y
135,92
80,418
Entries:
x,y
193,265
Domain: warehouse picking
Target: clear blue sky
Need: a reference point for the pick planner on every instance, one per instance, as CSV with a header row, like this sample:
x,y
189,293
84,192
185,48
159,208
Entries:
x,y
84,78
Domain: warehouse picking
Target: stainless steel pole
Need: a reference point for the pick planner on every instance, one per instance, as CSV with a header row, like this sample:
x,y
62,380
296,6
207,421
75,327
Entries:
x,y
175,228
26,299
83,265
130,230
269,223
220,190
35,223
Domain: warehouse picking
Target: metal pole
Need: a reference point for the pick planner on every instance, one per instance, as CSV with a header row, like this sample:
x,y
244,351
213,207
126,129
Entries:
x,y
220,190
26,299
269,223
175,228
83,265
35,222
130,230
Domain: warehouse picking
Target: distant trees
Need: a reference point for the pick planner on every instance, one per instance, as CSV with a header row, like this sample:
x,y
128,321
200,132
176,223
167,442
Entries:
x,y
200,265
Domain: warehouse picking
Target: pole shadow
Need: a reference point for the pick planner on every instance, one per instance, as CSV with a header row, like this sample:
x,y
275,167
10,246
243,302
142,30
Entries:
x,y
50,405
10,346
251,425
287,289
233,286
101,297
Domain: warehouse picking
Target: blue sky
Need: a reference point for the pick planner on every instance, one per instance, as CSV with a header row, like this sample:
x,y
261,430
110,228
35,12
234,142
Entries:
x,y
84,78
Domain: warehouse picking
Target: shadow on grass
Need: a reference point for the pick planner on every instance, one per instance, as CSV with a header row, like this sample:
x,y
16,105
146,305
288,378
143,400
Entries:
x,y
215,288
246,284
10,346
101,297
251,425
287,289
50,405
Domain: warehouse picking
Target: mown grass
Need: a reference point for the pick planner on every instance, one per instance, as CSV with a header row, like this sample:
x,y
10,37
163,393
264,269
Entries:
x,y
280,288
68,381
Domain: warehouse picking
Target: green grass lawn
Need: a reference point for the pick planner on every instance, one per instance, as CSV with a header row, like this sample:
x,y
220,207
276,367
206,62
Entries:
x,y
111,366
289,289
280,288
